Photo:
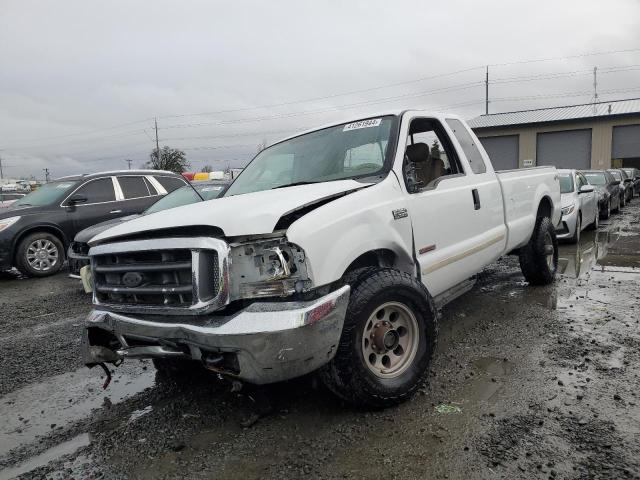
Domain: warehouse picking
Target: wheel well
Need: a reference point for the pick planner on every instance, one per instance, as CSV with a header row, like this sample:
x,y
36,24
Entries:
x,y
544,208
373,258
44,228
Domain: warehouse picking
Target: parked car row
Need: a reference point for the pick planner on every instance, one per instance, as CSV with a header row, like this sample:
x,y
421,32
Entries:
x,y
591,195
37,229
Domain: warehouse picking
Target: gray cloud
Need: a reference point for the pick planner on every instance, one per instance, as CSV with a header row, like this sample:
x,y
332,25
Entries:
x,y
70,70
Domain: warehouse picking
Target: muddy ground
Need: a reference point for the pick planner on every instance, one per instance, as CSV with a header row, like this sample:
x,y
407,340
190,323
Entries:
x,y
526,383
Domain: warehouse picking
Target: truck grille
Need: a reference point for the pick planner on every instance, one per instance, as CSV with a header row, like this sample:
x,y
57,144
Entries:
x,y
129,277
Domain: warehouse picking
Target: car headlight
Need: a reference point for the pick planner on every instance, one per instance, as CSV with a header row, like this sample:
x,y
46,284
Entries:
x,y
7,222
267,268
568,210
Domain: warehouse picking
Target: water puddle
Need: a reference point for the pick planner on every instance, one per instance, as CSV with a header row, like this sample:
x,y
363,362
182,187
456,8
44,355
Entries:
x,y
54,453
40,408
494,366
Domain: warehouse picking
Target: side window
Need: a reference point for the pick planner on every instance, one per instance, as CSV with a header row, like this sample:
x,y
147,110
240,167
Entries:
x,y
428,155
133,187
468,145
97,191
171,183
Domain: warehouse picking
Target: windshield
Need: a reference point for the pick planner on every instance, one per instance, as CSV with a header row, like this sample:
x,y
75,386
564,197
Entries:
x,y
617,175
185,196
48,193
566,183
596,178
630,173
344,151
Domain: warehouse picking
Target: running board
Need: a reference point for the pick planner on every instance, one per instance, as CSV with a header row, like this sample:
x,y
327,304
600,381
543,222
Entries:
x,y
454,292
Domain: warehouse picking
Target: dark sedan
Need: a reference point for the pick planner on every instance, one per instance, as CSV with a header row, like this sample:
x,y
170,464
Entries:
x,y
201,191
36,230
608,189
634,174
626,184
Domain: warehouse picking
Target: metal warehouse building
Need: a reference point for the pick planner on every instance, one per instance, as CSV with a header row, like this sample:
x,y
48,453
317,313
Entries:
x,y
595,135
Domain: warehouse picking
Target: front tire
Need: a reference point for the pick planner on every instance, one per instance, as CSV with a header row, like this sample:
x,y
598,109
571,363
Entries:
x,y
576,235
539,258
596,222
39,254
387,341
606,213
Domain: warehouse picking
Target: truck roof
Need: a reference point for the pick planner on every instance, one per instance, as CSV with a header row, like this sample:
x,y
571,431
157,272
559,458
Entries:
x,y
397,111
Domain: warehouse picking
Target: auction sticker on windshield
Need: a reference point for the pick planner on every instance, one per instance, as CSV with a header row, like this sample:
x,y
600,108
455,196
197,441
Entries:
x,y
373,122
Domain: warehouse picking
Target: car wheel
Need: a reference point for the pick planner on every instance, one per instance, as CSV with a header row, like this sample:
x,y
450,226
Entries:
x,y
387,341
39,254
539,258
606,212
576,235
596,222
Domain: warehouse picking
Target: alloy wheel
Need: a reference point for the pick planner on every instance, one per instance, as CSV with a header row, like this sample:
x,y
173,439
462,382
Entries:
x,y
42,255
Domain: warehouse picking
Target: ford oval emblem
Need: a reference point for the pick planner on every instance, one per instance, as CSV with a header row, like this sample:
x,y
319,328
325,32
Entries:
x,y
132,279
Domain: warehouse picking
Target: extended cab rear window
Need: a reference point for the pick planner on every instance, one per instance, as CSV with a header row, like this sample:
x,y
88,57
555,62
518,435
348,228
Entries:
x,y
468,145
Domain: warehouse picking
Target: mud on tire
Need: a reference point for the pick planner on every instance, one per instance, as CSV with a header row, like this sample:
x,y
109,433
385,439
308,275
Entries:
x,y
539,258
349,375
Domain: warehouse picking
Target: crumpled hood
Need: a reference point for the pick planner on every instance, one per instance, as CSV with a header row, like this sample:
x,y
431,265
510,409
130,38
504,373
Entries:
x,y
249,214
83,236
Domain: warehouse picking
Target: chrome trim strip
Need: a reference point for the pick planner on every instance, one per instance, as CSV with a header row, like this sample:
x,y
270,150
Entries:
x,y
460,256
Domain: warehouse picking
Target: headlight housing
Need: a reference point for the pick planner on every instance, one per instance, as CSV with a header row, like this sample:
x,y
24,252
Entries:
x,y
568,210
270,267
7,222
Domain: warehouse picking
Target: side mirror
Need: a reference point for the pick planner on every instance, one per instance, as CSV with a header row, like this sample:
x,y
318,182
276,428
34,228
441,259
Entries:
x,y
76,198
586,189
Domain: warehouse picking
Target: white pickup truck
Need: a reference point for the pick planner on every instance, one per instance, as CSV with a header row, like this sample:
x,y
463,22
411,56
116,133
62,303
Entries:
x,y
332,251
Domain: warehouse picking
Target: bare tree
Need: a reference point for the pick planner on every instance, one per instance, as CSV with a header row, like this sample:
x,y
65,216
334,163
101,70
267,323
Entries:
x,y
170,159
207,169
262,145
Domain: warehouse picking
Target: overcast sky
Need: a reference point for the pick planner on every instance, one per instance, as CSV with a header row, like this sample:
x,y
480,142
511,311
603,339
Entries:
x,y
81,81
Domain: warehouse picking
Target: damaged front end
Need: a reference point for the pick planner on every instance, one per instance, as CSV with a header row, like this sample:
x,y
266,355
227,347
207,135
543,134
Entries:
x,y
245,308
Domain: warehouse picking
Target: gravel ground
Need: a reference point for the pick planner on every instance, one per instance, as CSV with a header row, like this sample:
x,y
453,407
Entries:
x,y
526,383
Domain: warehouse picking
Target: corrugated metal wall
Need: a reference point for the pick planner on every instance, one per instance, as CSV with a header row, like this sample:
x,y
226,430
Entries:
x,y
503,151
564,149
626,142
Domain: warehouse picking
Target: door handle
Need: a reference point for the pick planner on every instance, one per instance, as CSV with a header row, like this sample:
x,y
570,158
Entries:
x,y
476,199
115,211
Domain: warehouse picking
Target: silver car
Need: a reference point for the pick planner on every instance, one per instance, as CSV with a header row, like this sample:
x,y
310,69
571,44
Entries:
x,y
579,205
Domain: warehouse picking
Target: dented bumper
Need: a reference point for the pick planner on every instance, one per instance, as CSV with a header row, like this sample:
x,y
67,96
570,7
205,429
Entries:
x,y
264,343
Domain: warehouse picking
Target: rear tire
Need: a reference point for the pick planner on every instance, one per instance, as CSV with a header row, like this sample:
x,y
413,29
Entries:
x,y
387,341
39,254
539,258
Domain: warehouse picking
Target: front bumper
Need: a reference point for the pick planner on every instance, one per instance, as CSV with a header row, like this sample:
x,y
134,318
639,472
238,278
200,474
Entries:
x,y
76,260
567,226
264,343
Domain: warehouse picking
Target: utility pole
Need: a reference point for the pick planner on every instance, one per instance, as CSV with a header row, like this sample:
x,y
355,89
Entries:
x,y
486,92
0,168
157,142
128,160
46,175
595,90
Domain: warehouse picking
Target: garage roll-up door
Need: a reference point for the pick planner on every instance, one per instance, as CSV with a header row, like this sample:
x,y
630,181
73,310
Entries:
x,y
626,142
503,151
566,149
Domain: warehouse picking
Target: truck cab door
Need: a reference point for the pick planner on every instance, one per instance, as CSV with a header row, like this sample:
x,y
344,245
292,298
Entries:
x,y
455,205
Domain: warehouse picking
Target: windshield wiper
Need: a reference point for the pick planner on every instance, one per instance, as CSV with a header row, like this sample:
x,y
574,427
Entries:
x,y
294,184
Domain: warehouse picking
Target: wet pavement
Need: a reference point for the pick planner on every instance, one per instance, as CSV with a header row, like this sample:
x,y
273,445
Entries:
x,y
526,383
